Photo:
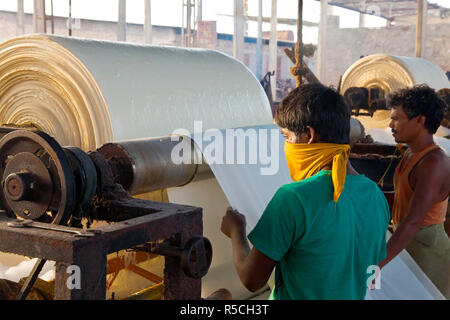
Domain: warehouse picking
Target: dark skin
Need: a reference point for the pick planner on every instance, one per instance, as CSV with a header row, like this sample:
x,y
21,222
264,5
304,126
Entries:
x,y
428,179
447,222
253,267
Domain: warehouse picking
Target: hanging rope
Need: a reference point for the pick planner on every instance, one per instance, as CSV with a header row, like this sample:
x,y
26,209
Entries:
x,y
297,69
300,70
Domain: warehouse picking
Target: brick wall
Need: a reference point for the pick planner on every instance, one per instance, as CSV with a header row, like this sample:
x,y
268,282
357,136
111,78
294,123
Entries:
x,y
345,46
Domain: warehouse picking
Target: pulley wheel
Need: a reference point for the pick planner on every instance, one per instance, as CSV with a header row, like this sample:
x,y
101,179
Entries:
x,y
85,174
196,257
36,175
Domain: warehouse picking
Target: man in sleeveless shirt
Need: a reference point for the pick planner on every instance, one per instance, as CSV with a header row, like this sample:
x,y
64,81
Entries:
x,y
444,93
421,185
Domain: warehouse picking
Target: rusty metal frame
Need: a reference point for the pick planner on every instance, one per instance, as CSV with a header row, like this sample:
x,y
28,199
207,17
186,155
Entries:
x,y
168,221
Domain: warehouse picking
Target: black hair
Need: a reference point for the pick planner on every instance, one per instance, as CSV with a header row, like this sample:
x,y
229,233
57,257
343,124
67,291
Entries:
x,y
319,107
420,100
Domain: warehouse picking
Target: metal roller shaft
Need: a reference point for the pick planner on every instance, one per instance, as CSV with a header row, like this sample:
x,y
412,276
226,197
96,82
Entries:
x,y
145,165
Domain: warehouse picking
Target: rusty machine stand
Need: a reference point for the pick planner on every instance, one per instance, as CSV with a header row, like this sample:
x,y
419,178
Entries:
x,y
46,193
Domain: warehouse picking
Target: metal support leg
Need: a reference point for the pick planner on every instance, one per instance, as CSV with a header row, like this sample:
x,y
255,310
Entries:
x,y
177,285
31,279
84,278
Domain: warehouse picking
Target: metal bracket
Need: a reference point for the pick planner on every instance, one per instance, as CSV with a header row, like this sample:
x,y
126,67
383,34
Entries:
x,y
46,226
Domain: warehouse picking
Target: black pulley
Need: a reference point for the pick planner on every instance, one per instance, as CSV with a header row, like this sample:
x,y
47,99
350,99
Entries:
x,y
85,174
37,180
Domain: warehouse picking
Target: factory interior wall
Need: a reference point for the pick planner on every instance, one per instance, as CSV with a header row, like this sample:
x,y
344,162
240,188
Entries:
x,y
345,46
104,30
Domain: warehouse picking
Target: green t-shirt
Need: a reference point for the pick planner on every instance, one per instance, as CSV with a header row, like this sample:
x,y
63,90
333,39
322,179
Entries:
x,y
323,250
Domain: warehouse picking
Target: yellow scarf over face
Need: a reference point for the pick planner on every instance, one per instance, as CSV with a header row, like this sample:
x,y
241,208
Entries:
x,y
305,160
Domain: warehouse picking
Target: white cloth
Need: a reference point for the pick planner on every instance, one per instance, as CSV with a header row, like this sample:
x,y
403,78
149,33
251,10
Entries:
x,y
402,279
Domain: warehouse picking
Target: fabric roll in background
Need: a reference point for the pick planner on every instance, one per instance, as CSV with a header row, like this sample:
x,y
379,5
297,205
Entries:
x,y
390,73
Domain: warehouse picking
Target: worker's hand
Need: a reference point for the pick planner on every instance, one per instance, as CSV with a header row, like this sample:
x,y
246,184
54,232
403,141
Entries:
x,y
375,283
233,222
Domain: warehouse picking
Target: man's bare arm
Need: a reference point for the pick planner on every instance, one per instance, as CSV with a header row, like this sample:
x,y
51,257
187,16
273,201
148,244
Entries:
x,y
427,191
252,266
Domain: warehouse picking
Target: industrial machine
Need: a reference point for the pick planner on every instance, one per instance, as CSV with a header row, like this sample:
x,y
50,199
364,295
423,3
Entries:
x,y
51,194
91,93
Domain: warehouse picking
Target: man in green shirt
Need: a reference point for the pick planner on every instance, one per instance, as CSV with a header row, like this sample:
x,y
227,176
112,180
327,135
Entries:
x,y
324,233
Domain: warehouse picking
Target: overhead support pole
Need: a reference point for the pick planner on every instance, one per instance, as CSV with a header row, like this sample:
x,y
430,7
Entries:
x,y
199,11
20,18
245,13
238,36
259,43
198,19
273,49
362,20
43,17
362,15
299,44
148,29
300,70
321,50
389,21
39,21
183,34
422,10
188,23
52,17
122,23
70,18
186,30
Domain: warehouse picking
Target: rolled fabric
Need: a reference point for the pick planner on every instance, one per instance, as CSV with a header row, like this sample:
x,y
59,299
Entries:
x,y
89,92
390,73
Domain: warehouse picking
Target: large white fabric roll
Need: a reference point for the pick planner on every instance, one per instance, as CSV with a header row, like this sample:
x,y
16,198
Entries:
x,y
88,92
390,73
